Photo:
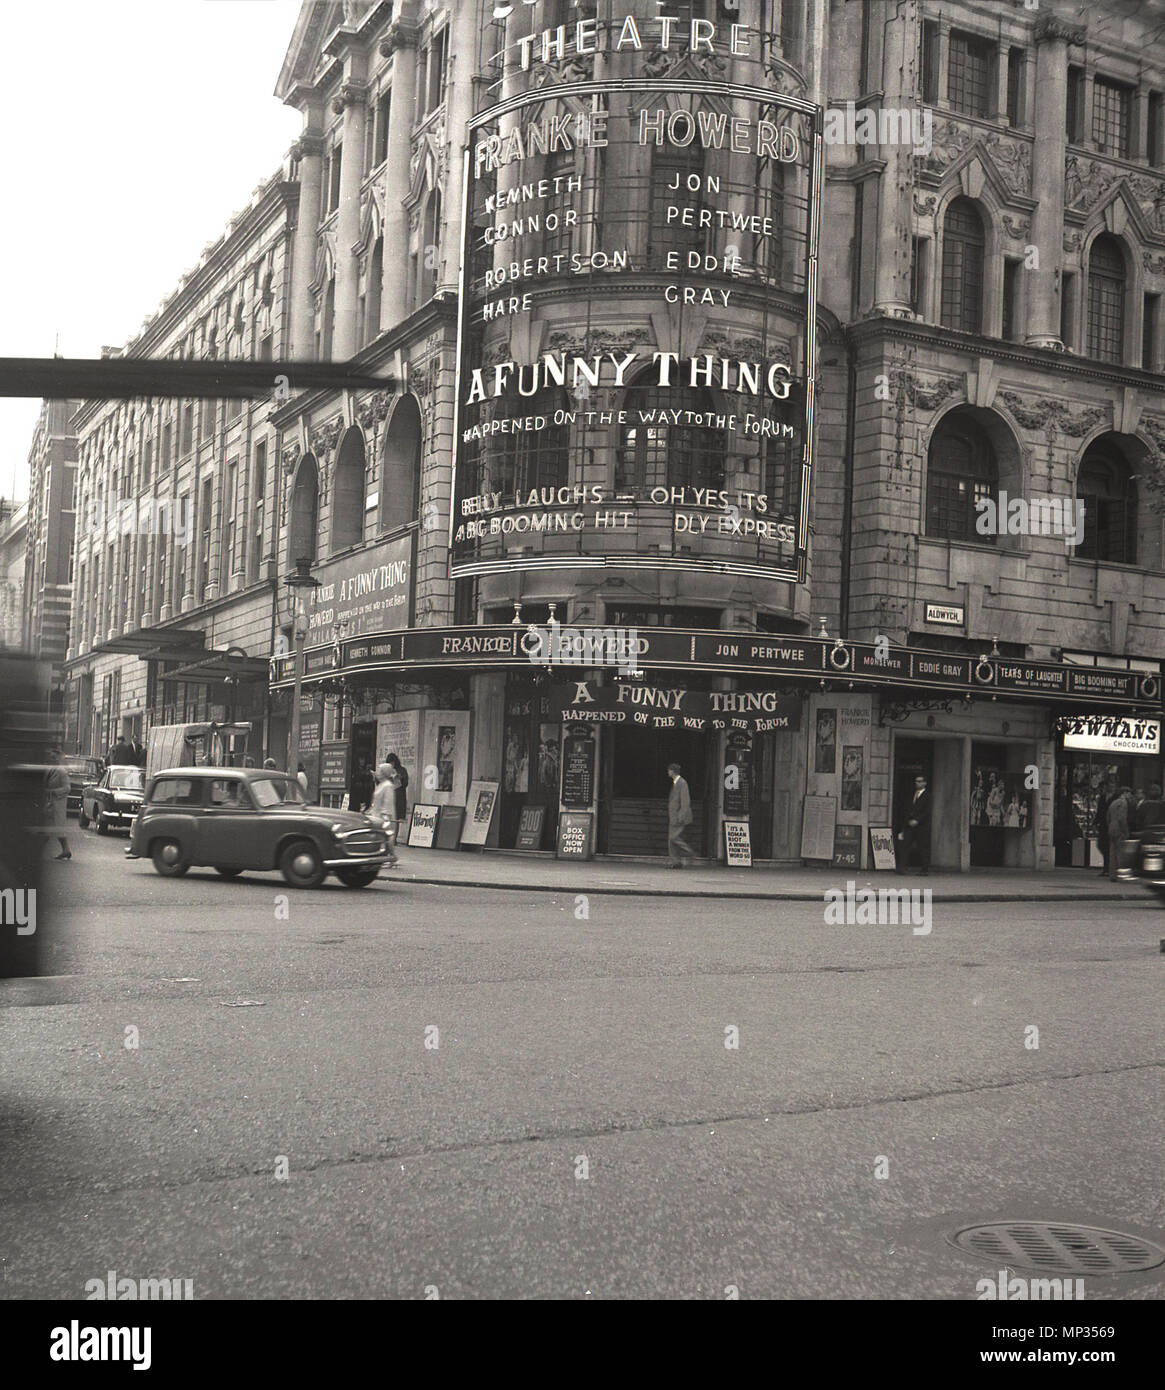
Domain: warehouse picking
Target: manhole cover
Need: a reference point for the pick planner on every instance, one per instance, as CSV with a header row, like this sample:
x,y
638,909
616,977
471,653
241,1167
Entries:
x,y
1049,1247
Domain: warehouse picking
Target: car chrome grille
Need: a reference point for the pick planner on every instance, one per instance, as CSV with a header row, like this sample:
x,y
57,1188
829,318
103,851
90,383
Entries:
x,y
363,842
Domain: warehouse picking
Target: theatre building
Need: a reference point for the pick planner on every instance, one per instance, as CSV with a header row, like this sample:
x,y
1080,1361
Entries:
x,y
720,426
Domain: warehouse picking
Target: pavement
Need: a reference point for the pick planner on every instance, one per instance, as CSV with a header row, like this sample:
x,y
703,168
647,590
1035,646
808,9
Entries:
x,y
542,873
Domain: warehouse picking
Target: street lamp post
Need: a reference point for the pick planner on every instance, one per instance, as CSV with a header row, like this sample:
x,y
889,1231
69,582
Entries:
x,y
301,583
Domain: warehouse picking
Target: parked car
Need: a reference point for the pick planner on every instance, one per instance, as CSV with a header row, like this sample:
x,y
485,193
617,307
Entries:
x,y
113,799
81,770
251,818
1148,860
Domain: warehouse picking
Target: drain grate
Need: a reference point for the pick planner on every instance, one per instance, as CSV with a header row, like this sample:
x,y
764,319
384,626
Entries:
x,y
1050,1247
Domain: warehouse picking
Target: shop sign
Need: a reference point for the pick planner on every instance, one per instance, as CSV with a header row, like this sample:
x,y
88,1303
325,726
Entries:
x,y
530,827
1101,733
944,614
574,835
578,771
333,767
370,591
738,844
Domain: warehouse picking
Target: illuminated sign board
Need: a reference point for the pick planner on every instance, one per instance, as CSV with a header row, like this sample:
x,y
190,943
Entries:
x,y
636,337
1102,733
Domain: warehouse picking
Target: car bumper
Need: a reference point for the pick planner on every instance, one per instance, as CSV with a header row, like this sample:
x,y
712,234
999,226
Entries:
x,y
351,861
123,816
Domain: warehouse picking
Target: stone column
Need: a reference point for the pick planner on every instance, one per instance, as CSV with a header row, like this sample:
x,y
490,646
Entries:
x,y
1052,37
1140,124
310,150
352,101
895,208
458,109
401,42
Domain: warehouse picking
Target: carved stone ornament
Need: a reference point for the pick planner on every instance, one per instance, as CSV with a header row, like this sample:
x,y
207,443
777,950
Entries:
x,y
1018,227
1072,241
949,140
1050,28
924,204
307,146
421,382
1155,265
290,457
373,410
349,94
325,439
929,395
1013,159
402,34
1051,414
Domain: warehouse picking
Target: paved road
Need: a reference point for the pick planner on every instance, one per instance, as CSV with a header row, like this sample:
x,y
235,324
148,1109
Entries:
x,y
571,1038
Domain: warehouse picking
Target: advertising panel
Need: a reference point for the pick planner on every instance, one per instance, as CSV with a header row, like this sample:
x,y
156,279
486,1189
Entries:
x,y
636,346
370,591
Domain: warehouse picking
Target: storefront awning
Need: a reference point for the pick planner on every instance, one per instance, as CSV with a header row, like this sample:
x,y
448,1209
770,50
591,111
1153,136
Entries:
x,y
221,666
157,644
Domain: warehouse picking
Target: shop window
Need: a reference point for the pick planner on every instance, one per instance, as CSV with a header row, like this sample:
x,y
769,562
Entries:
x,y
1074,113
1016,63
962,270
1106,299
780,477
1105,485
961,471
654,452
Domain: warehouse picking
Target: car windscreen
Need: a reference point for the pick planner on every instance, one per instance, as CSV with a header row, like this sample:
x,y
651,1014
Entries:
x,y
126,779
274,791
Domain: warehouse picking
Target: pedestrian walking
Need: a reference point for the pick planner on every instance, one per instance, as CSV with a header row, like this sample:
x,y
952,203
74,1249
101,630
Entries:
x,y
1118,830
915,834
121,753
383,808
679,817
301,778
56,796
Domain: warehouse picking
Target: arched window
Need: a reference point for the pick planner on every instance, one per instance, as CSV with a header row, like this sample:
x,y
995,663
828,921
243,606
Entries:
x,y
372,291
348,492
534,458
654,451
302,541
961,471
400,473
962,277
677,175
1105,485
1106,299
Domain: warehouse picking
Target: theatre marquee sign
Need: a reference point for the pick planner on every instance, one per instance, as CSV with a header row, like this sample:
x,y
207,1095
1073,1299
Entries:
x,y
563,226
726,653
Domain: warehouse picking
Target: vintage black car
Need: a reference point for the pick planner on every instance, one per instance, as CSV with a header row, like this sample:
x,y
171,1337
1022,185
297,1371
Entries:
x,y
112,800
250,818
81,772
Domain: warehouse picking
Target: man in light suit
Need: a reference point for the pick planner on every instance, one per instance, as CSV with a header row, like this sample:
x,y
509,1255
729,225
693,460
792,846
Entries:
x,y
679,817
916,831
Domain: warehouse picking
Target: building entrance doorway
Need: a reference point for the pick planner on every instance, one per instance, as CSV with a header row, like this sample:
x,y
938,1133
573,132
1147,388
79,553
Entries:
x,y
635,786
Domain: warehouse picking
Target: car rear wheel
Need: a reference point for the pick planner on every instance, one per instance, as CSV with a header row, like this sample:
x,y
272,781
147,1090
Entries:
x,y
227,870
302,865
356,878
168,858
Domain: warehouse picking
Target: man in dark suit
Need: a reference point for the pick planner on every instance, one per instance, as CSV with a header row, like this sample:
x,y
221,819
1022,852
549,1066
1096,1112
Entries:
x,y
1151,811
916,832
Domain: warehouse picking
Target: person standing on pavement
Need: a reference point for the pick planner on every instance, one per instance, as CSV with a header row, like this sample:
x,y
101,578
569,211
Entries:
x,y
916,832
1151,811
1118,830
57,801
383,808
1103,801
301,778
402,782
679,817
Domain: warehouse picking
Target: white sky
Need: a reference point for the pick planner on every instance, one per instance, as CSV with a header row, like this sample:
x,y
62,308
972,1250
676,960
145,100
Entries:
x,y
134,130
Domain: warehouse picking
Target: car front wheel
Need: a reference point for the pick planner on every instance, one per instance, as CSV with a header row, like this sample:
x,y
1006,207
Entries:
x,y
356,878
302,865
102,824
168,858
